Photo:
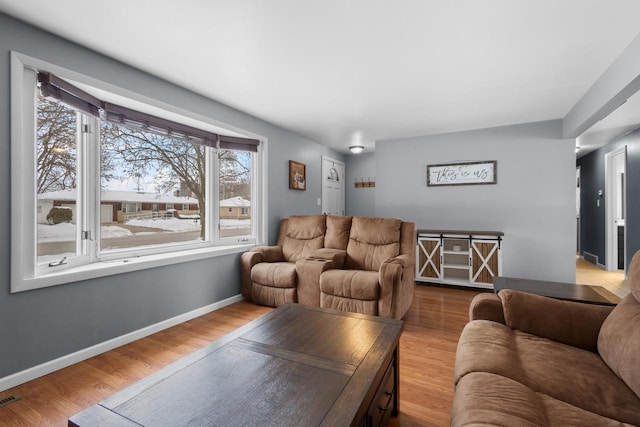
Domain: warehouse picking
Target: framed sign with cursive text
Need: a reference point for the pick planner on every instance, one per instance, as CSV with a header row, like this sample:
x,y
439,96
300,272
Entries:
x,y
467,173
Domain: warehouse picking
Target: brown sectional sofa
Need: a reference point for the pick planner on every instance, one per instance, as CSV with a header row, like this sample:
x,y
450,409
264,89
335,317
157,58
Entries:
x,y
528,360
356,264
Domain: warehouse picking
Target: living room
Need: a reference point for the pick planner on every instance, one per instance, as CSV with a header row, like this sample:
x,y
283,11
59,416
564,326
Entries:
x,y
533,203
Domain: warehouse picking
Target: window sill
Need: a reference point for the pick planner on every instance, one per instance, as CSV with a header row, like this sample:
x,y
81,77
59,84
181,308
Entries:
x,y
124,265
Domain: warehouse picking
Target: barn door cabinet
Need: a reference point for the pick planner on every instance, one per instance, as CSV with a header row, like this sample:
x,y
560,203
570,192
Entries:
x,y
457,257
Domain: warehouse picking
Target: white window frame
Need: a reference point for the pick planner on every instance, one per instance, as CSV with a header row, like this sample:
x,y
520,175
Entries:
x,y
25,273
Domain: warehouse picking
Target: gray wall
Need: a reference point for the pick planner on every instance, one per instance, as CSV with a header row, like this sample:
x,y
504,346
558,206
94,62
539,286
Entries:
x,y
360,201
533,202
40,325
592,217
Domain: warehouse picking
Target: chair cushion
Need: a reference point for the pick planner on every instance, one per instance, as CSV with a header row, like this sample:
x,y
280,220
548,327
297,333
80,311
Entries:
x,y
487,399
619,342
274,274
355,284
371,242
354,291
576,376
272,297
302,234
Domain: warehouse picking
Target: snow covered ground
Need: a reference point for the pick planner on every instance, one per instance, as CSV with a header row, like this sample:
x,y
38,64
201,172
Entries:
x,y
64,232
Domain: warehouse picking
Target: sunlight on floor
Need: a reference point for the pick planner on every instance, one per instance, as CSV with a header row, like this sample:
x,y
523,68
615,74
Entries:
x,y
613,281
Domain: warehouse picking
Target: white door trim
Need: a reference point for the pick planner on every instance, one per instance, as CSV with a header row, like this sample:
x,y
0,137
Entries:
x,y
610,229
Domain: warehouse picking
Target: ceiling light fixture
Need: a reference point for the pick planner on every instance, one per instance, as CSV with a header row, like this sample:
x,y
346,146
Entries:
x,y
356,149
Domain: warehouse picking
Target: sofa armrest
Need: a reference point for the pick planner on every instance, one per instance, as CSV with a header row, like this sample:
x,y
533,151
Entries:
x,y
252,257
269,253
574,323
404,260
309,271
336,256
397,282
486,306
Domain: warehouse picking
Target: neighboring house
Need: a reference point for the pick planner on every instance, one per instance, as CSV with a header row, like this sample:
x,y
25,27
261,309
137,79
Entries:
x,y
235,208
119,206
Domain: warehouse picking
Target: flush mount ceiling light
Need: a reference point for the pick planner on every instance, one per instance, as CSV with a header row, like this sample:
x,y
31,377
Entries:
x,y
356,149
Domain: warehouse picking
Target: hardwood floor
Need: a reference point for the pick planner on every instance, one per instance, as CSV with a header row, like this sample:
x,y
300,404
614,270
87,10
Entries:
x,y
613,281
427,354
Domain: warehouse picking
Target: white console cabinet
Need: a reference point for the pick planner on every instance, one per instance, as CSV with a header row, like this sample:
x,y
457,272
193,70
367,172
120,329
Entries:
x,y
456,257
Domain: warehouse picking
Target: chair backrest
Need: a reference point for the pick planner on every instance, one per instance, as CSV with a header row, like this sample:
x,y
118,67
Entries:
x,y
338,230
300,235
371,242
619,338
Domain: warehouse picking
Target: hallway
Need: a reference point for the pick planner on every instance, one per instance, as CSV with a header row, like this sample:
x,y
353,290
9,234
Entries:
x,y
613,281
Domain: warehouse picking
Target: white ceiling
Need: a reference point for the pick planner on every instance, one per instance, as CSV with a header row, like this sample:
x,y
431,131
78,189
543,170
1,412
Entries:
x,y
623,120
354,71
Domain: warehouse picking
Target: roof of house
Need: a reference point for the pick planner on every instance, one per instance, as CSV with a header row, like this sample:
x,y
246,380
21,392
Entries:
x,y
238,202
121,196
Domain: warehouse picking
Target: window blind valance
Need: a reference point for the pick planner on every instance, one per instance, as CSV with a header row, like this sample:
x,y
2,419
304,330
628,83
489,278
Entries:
x,y
58,89
54,87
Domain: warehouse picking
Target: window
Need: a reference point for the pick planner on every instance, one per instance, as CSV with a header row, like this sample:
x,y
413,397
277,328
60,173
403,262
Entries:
x,y
107,178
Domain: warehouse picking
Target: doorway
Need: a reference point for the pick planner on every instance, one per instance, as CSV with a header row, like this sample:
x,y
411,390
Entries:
x,y
615,208
333,190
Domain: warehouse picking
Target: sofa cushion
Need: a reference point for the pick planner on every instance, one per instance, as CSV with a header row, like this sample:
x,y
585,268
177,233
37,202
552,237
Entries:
x,y
338,229
355,284
371,242
303,234
619,342
487,346
570,374
487,399
274,274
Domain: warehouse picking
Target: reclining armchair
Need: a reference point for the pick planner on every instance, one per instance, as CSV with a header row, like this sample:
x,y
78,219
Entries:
x,y
269,274
356,264
378,274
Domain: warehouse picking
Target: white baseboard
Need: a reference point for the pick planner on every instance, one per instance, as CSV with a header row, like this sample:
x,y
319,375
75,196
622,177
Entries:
x,y
86,353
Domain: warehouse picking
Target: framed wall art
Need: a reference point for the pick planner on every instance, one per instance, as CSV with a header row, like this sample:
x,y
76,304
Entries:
x,y
297,175
466,173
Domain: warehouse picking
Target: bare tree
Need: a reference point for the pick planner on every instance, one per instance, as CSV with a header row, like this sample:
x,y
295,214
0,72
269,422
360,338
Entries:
x,y
56,146
173,163
56,150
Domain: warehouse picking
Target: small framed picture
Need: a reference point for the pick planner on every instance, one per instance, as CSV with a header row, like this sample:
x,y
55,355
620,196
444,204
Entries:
x,y
297,175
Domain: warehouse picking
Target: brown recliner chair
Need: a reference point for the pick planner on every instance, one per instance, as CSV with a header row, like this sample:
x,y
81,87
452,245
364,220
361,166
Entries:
x,y
269,272
379,269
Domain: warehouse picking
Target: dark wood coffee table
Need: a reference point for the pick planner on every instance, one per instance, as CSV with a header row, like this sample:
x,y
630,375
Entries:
x,y
566,291
295,366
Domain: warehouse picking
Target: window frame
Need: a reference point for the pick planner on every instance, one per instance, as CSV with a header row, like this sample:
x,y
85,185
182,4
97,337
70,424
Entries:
x,y
25,272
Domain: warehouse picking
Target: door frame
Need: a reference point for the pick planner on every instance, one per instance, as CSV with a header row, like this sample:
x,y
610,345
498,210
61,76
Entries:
x,y
610,229
578,209
343,185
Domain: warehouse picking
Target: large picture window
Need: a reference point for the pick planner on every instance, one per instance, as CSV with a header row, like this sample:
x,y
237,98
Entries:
x,y
117,182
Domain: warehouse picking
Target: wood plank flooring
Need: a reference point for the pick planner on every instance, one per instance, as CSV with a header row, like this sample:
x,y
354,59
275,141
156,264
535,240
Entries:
x,y
613,281
427,354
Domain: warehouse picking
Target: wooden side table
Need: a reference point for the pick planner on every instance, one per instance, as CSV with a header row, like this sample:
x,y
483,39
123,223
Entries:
x,y
561,290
